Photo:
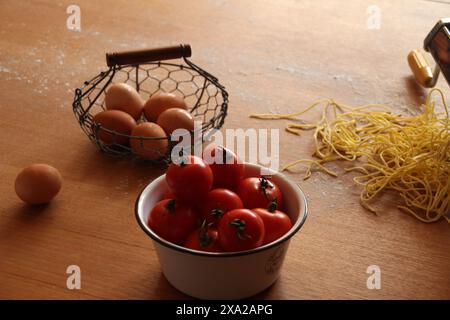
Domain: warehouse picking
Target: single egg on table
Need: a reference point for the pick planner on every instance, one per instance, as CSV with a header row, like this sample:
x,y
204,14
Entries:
x,y
175,118
117,121
150,149
38,184
123,97
160,102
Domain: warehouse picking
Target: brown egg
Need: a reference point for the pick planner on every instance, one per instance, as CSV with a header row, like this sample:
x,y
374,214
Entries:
x,y
38,184
149,149
117,121
160,102
123,97
175,118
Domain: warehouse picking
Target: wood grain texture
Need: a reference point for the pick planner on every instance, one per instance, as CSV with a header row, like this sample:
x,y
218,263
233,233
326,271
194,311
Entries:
x,y
271,55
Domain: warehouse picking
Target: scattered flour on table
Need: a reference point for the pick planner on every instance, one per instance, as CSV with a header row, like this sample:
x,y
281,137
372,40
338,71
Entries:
x,y
5,69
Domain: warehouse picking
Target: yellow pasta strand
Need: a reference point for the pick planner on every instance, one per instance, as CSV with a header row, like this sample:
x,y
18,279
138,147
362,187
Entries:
x,y
409,155
311,162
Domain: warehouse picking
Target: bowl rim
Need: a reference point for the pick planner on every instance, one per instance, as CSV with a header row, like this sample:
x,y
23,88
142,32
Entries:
x,y
295,228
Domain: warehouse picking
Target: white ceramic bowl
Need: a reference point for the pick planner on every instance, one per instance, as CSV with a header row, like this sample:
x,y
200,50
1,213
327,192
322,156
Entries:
x,y
233,275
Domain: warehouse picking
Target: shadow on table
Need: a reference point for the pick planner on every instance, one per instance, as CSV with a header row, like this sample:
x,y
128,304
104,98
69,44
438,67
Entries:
x,y
416,93
164,290
159,288
126,174
23,218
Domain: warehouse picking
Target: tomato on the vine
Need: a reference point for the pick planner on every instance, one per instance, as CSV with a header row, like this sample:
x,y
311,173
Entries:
x,y
217,203
276,223
172,220
204,238
241,229
227,168
190,180
259,192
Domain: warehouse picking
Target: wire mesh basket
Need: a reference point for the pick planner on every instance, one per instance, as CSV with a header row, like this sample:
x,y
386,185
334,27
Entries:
x,y
149,73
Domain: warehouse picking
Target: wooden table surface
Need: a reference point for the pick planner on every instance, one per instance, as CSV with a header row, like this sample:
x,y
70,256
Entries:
x,y
272,56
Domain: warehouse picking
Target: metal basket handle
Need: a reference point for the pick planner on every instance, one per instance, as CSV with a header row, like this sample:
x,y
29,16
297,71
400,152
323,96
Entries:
x,y
148,55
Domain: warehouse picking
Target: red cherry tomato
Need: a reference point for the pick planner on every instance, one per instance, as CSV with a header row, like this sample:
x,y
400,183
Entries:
x,y
227,169
276,223
172,220
259,192
204,239
191,180
217,203
241,229
168,195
